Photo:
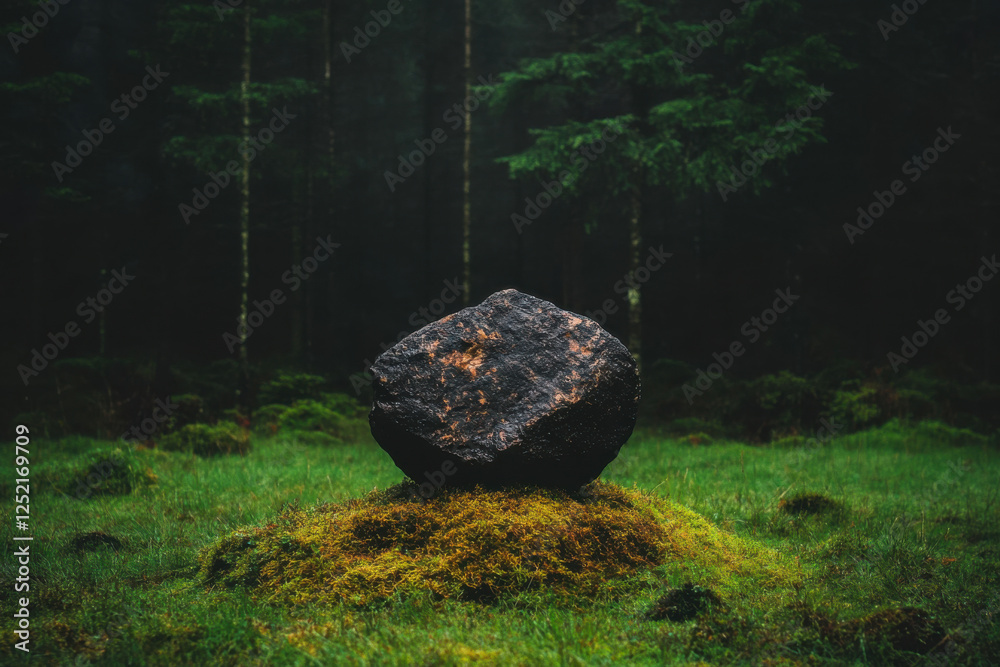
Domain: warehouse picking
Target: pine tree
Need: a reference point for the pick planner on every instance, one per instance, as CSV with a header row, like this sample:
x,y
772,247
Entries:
x,y
655,99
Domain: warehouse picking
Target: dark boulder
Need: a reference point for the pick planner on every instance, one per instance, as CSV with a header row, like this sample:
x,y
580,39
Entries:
x,y
512,391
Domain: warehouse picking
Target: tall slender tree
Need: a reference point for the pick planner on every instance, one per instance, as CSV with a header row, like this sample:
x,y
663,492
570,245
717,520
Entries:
x,y
243,328
224,98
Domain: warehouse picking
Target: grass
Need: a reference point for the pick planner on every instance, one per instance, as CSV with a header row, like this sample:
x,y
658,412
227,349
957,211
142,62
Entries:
x,y
890,540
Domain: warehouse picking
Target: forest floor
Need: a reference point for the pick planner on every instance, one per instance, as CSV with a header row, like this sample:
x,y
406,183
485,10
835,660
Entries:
x,y
894,534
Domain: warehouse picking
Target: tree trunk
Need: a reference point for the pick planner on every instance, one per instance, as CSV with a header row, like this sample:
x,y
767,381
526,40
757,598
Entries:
x,y
634,294
331,136
245,212
467,166
296,300
640,103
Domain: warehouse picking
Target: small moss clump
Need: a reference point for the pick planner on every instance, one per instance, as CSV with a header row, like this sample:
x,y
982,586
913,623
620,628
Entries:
x,y
102,472
225,437
478,545
904,629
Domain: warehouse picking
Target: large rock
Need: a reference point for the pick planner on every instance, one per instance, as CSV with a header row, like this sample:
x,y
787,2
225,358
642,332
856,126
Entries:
x,y
512,391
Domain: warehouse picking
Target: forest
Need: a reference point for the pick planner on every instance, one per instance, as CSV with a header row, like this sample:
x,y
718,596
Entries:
x,y
215,216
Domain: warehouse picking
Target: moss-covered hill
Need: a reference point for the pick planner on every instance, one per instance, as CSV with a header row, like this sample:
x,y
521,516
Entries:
x,y
482,545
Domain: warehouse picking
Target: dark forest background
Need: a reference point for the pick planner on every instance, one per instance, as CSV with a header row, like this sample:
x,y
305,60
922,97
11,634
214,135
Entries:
x,y
357,110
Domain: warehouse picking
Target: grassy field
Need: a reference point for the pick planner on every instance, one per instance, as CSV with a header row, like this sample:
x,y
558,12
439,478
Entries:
x,y
893,533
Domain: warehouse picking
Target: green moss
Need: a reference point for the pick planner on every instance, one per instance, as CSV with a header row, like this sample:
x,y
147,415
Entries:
x,y
480,545
948,435
338,416
287,387
207,439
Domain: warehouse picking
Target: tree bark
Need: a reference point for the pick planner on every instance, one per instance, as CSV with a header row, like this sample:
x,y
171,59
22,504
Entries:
x,y
640,103
245,211
634,294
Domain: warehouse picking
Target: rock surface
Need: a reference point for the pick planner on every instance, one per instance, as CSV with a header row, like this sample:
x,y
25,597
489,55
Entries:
x,y
512,391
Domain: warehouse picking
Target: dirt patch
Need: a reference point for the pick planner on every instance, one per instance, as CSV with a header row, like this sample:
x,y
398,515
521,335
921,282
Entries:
x,y
683,604
94,541
808,503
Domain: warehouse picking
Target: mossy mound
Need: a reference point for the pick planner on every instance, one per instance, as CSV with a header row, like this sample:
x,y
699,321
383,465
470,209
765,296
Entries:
x,y
904,629
225,437
479,545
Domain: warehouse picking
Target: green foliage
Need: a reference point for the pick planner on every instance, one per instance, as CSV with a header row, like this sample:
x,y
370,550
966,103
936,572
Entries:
x,y
687,123
190,410
785,399
783,405
329,419
288,387
948,435
215,383
316,416
224,437
856,405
